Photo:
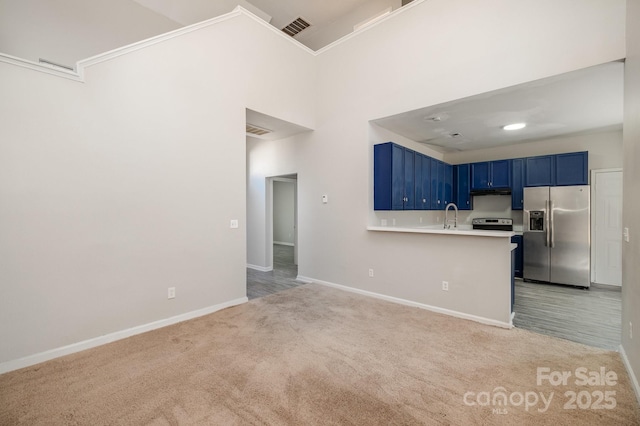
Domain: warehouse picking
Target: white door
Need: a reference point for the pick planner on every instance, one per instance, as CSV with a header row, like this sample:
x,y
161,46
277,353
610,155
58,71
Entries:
x,y
608,227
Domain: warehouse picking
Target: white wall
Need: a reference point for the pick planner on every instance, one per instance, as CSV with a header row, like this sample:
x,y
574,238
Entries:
x,y
381,72
631,188
65,31
115,189
283,217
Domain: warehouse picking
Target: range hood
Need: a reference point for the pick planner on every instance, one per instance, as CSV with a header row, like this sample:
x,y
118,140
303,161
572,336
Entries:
x,y
491,191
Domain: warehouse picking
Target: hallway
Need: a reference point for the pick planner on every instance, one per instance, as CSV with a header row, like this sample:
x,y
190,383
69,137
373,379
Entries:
x,y
281,278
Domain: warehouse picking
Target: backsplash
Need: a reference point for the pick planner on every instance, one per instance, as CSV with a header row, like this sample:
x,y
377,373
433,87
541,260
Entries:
x,y
483,206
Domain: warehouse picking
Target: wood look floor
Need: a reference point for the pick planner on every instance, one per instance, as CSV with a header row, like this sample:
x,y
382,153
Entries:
x,y
281,278
592,317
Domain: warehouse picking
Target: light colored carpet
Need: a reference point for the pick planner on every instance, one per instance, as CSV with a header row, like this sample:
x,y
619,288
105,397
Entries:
x,y
316,355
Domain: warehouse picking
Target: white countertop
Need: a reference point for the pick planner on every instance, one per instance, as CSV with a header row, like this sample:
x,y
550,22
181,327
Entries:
x,y
438,229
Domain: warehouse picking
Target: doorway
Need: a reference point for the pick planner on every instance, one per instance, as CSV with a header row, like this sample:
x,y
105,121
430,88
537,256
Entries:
x,y
284,215
281,239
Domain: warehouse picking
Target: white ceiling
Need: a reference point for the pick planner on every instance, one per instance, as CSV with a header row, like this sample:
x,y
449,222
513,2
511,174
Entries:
x,y
279,13
582,101
278,129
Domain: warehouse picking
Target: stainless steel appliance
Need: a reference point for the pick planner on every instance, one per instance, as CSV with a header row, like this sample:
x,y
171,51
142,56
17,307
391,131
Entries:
x,y
493,224
557,243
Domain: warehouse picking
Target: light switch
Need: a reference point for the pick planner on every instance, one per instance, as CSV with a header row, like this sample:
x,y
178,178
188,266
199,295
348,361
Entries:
x,y
234,223
625,234
325,199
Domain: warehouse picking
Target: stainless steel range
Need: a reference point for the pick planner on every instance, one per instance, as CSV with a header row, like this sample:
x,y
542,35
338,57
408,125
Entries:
x,y
493,224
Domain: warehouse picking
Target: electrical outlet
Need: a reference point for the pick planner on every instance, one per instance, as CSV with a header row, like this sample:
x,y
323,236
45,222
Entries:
x,y
371,272
383,222
393,222
233,224
630,330
171,292
420,219
445,285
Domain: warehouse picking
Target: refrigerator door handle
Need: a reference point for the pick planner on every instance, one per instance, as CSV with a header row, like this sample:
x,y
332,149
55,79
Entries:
x,y
546,225
551,230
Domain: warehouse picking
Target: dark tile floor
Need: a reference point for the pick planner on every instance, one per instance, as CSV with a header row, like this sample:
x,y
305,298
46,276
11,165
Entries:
x,y
591,317
281,278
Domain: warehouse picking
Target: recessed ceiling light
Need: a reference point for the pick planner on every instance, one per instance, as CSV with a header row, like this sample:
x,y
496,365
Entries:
x,y
515,126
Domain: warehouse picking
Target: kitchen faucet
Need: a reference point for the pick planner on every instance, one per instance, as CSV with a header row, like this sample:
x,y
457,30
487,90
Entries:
x,y
446,216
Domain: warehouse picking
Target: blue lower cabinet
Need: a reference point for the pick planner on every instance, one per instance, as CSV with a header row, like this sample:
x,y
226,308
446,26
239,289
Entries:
x,y
513,279
519,256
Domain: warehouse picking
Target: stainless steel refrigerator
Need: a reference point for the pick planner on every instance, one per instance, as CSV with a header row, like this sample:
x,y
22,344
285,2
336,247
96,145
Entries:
x,y
557,240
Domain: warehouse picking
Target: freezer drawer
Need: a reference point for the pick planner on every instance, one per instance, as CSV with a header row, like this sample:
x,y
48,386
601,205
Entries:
x,y
536,257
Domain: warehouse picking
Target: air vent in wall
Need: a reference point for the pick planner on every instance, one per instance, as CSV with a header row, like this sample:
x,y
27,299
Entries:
x,y
297,26
255,130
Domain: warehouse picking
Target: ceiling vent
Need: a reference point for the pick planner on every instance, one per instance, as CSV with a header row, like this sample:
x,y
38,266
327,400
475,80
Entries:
x,y
297,26
258,131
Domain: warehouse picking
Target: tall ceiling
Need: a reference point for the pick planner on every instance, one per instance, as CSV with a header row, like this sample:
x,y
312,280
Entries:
x,y
321,14
583,101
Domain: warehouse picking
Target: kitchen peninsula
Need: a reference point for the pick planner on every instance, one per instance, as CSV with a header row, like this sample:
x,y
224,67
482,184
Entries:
x,y
466,273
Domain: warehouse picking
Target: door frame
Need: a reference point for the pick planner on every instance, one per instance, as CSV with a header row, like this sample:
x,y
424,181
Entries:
x,y
269,216
594,173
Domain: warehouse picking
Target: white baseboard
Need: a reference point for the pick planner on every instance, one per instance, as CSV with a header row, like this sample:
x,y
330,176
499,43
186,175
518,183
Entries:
x,y
112,337
456,314
282,243
260,268
304,279
632,375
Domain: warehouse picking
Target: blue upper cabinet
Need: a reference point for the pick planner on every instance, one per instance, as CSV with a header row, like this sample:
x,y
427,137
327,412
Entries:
x,y
422,182
517,184
437,184
448,185
409,180
557,170
500,173
393,176
572,168
461,186
538,171
480,175
491,174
